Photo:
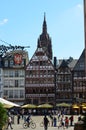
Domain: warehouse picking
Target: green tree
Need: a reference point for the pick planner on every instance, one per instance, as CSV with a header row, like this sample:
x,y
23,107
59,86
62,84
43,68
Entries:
x,y
3,116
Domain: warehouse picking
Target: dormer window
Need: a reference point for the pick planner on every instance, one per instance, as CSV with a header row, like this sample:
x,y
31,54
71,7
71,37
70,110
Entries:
x,y
6,63
11,63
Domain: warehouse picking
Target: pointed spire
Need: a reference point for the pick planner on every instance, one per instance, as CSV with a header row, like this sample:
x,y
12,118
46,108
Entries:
x,y
44,25
44,17
44,40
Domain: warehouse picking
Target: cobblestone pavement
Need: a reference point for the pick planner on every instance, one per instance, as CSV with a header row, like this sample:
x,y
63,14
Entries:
x,y
38,120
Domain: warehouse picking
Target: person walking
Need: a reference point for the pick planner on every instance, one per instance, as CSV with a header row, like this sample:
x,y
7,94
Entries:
x,y
9,122
18,119
51,117
79,118
66,122
55,121
46,121
71,120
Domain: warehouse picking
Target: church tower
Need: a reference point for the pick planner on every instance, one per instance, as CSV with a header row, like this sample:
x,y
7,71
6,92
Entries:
x,y
44,40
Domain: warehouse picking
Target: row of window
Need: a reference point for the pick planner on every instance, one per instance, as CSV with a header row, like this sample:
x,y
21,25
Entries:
x,y
14,73
40,81
11,63
41,72
41,63
79,74
14,93
14,83
79,83
66,70
64,78
41,67
37,100
64,96
64,87
40,90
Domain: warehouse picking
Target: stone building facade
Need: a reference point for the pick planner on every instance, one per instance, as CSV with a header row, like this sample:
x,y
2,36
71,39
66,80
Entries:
x,y
14,63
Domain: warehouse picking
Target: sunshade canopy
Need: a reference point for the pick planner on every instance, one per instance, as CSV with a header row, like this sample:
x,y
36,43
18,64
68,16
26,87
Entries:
x,y
7,106
75,106
45,106
4,101
84,107
29,106
63,104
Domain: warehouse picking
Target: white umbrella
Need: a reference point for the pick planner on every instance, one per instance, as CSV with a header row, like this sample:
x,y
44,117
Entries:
x,y
4,101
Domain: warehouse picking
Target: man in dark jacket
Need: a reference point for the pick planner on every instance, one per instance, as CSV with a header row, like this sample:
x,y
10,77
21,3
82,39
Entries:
x,y
28,119
46,121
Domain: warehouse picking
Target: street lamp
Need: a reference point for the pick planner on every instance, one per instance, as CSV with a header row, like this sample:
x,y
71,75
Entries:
x,y
55,62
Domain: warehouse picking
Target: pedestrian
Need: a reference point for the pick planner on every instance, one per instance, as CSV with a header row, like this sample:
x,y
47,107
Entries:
x,y
71,120
58,116
9,122
46,121
55,121
22,113
66,122
79,118
62,121
51,117
18,119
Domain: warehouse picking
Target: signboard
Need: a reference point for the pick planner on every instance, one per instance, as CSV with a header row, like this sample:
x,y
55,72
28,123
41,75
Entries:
x,y
18,58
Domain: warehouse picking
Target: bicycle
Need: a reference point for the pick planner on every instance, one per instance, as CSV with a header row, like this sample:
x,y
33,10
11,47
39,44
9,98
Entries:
x,y
32,124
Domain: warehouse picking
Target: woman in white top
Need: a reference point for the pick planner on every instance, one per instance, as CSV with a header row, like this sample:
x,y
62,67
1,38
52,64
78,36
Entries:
x,y
9,122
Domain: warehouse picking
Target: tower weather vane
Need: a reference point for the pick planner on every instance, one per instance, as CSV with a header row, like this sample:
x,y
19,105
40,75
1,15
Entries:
x,y
4,48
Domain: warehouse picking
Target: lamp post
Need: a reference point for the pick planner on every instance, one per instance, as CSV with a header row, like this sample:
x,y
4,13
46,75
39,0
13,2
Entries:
x,y
55,62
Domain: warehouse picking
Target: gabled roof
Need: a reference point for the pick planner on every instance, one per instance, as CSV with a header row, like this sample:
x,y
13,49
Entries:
x,y
63,64
40,55
71,63
80,65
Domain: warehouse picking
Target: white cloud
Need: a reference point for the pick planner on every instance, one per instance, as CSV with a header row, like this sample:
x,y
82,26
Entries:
x,y
4,21
78,10
80,6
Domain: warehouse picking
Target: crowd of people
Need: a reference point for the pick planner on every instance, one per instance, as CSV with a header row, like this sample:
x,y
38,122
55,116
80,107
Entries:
x,y
54,120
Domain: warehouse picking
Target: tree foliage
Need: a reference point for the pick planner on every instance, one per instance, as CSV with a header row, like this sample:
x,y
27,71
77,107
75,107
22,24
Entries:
x,y
3,116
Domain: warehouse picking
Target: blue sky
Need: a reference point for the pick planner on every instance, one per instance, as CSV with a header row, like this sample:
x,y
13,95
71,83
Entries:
x,y
21,24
